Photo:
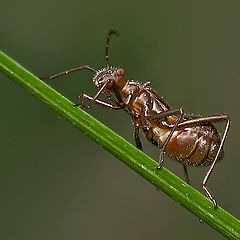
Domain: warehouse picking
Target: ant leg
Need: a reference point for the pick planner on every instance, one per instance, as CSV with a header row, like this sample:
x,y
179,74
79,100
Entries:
x,y
102,103
209,195
186,177
204,120
161,116
69,71
137,137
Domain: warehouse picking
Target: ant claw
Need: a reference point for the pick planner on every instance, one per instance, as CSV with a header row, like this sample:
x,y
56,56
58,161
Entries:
x,y
159,166
214,203
161,160
75,105
82,106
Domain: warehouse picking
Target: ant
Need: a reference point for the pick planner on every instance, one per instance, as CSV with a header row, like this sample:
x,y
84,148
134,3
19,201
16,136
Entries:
x,y
191,140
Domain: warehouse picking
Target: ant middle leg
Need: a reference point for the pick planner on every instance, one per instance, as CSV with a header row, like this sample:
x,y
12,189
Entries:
x,y
137,137
162,116
186,177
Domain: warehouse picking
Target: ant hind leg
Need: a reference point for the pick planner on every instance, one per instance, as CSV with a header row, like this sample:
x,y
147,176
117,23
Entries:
x,y
205,120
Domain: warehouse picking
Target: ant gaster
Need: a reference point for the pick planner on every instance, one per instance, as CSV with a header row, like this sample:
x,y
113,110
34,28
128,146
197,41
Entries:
x,y
191,140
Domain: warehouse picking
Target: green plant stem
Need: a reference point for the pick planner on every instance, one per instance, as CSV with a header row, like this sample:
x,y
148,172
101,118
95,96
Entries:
x,y
177,189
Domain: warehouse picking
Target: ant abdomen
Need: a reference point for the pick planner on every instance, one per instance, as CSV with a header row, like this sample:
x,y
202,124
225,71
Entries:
x,y
192,146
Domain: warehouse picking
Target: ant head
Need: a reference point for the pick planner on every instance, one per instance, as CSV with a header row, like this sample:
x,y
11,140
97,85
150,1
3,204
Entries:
x,y
108,77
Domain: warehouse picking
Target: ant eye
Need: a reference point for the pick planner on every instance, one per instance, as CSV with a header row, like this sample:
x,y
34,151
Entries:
x,y
120,72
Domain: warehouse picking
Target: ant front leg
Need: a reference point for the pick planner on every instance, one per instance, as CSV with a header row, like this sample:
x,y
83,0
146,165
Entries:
x,y
99,102
162,116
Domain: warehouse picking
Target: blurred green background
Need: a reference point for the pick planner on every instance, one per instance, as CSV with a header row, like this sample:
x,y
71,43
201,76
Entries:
x,y
55,182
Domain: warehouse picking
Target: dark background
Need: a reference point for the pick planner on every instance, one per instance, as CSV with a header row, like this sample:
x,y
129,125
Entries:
x,y
55,183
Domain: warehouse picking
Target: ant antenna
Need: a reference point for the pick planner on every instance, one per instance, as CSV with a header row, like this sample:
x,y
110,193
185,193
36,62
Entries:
x,y
111,32
69,71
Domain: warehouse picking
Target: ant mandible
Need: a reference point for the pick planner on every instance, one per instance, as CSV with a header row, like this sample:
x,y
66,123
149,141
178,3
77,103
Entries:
x,y
192,140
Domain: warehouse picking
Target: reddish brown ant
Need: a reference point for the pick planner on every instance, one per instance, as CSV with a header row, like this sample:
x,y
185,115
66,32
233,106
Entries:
x,y
191,140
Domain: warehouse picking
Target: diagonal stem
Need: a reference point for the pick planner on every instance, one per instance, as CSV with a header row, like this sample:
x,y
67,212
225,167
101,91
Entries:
x,y
177,189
